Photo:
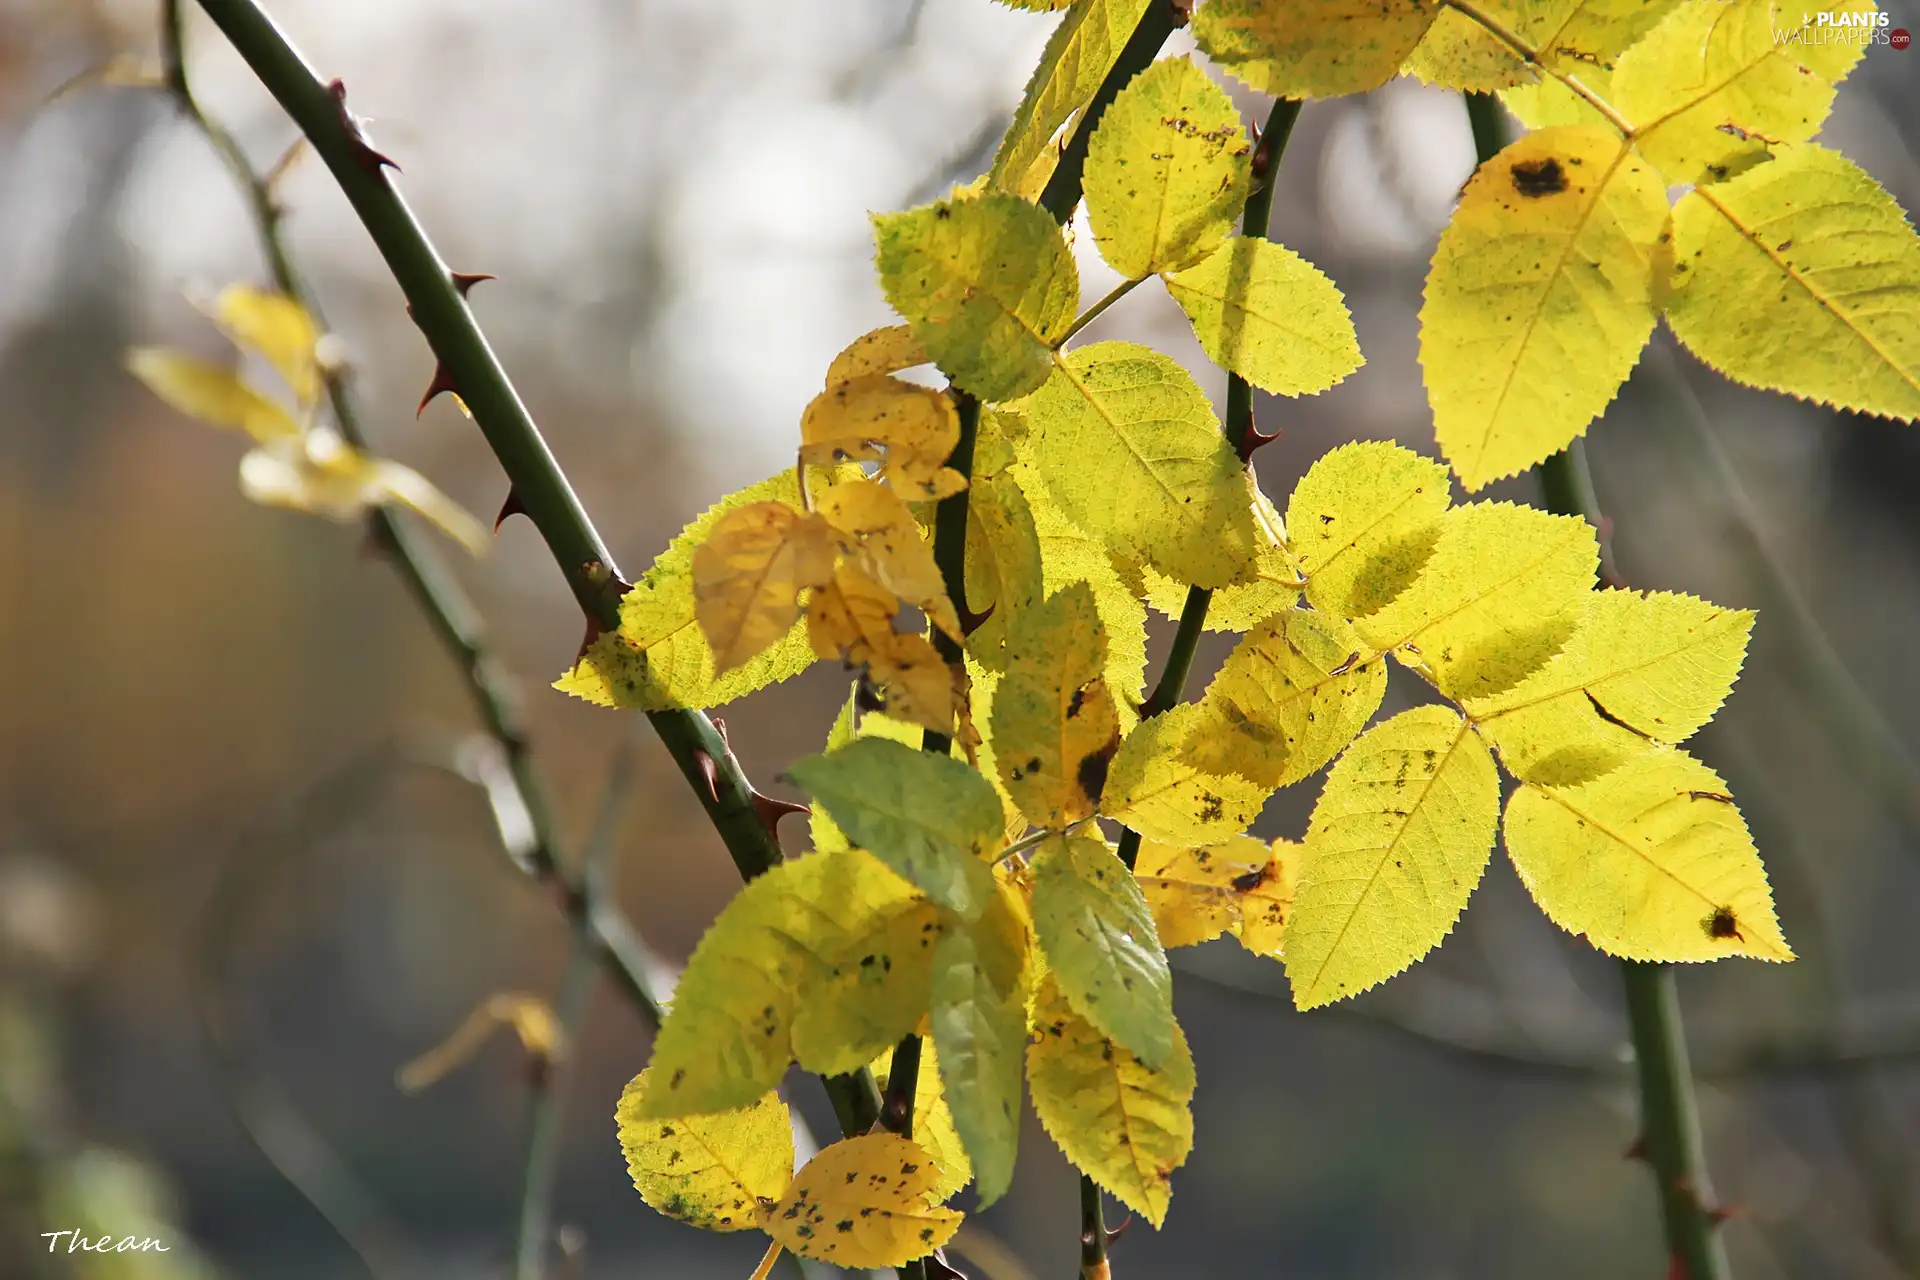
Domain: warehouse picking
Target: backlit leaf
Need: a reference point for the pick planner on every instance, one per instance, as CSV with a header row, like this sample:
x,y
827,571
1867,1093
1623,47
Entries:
x,y
890,546
916,425
1540,298
1398,841
1054,725
1122,1123
885,350
871,990
1068,554
1152,788
1167,171
279,329
1077,58
1362,521
1266,906
1650,861
852,618
1802,275
1003,570
710,1171
1274,584
212,393
865,1201
1094,925
1312,48
748,575
1195,894
979,1029
323,475
1262,311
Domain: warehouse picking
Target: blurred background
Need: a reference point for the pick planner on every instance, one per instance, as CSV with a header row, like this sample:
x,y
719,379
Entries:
x,y
202,697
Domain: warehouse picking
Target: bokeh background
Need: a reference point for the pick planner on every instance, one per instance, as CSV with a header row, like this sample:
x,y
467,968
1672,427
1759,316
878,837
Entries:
x,y
196,692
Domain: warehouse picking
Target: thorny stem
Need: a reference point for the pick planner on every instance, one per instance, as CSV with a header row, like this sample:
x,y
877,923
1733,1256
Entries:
x,y
1093,1233
440,310
1172,685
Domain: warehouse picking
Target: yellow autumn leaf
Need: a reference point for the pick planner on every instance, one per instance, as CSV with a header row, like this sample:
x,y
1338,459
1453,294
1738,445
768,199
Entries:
x,y
1459,52
1802,275
1054,725
1654,666
1167,171
890,546
1398,840
749,573
278,329
1291,695
1650,861
871,990
323,475
852,618
1274,583
1068,554
933,1129
658,657
979,1029
1363,521
1582,38
1266,904
1312,48
865,1201
1716,85
1004,573
1078,56
1195,894
1264,312
888,349
728,1037
987,285
1152,788
916,425
531,1018
1498,597
1131,451
1540,298
212,393
1123,1124
710,1171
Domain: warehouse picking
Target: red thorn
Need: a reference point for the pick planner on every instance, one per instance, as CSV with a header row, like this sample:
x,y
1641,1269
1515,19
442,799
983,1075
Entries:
x,y
1638,1151
442,381
1725,1212
970,621
363,151
709,771
1182,12
594,632
1676,1269
938,1268
1120,1230
511,507
720,727
464,281
771,810
1254,438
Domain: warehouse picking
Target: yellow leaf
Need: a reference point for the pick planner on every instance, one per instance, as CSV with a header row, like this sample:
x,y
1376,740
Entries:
x,y
1153,789
279,330
1650,862
1716,85
1290,696
1312,48
1591,36
1077,58
1540,298
871,991
987,285
1125,1125
1460,53
1131,451
728,1037
917,426
885,350
1274,584
1093,923
1497,599
852,617
1802,275
212,393
1398,840
1262,311
864,1202
1003,567
748,575
933,1127
321,474
979,1023
710,1171
1639,666
1054,725
1363,521
1167,171
890,546
1068,555
658,658
1195,894
530,1017
1267,904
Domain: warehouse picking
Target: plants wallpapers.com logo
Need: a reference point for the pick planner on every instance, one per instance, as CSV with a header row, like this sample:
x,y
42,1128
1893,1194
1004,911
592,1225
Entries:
x,y
1827,27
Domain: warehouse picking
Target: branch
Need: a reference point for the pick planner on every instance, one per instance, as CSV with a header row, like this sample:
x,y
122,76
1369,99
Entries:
x,y
1531,57
438,305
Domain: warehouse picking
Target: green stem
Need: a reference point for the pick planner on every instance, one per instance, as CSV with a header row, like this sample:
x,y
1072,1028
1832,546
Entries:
x,y
1093,1233
440,310
1172,685
1092,313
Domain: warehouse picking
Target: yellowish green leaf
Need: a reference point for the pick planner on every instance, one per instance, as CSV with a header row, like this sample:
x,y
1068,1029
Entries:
x,y
1054,725
1459,52
1077,58
1540,298
279,329
1498,598
1312,48
1124,1124
1153,789
1802,275
1167,171
1398,840
1274,584
979,1026
871,991
1131,451
1094,925
865,1201
1363,521
1262,311
1068,554
933,1129
1003,568
987,285
210,392
1650,861
710,1171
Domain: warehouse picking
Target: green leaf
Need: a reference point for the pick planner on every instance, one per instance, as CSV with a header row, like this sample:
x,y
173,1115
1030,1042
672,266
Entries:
x,y
979,1026
1131,451
1167,171
1055,728
1266,313
986,284
1363,521
930,818
1096,929
709,1171
1398,840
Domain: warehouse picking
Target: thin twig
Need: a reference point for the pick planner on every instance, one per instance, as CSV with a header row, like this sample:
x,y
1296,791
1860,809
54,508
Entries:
x,y
1531,57
438,305
1093,312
